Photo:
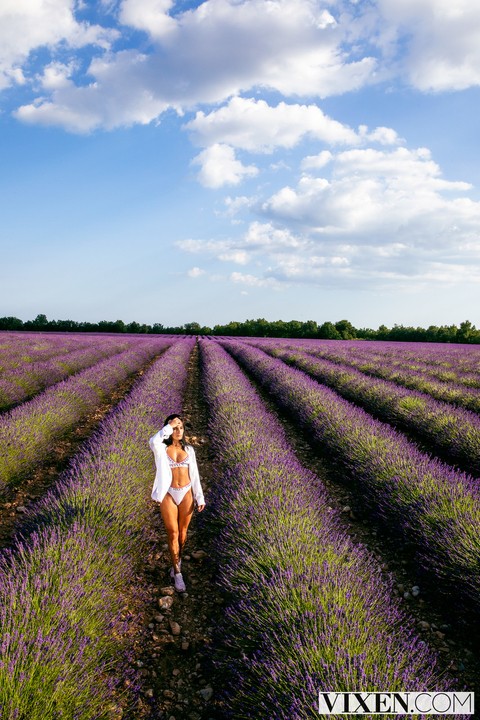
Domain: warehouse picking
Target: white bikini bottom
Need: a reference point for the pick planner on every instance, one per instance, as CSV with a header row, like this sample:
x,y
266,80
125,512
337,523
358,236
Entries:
x,y
179,493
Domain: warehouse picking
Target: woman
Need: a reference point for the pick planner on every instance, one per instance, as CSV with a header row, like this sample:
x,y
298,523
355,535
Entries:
x,y
176,486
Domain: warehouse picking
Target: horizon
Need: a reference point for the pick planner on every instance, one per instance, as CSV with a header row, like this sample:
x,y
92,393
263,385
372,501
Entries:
x,y
318,323
163,160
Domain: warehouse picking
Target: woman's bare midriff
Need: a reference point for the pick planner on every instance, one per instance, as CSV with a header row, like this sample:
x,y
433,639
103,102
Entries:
x,y
180,477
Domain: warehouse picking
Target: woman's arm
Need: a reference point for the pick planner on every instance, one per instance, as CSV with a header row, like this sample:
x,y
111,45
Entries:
x,y
163,475
157,439
195,478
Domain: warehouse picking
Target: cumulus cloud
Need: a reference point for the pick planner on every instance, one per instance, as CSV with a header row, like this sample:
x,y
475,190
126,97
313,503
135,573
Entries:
x,y
256,126
56,75
259,239
26,26
435,41
298,48
110,101
199,56
219,167
372,192
151,16
377,215
365,218
316,162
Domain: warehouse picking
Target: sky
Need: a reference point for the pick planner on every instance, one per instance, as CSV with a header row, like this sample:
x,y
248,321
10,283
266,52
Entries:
x,y
178,162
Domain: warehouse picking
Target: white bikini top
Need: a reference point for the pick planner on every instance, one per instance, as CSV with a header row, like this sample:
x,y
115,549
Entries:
x,y
183,463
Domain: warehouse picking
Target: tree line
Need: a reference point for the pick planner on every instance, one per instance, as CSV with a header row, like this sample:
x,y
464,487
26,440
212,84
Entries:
x,y
466,332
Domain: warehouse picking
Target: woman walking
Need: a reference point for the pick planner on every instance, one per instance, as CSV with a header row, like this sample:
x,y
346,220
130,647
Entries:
x,y
176,487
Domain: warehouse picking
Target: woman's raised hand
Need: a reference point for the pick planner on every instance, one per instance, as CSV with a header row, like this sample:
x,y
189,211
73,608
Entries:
x,y
175,422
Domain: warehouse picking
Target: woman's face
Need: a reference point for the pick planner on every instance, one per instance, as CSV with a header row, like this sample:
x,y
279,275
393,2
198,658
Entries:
x,y
178,431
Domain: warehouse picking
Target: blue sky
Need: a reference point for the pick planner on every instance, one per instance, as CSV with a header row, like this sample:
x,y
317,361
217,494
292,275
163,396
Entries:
x,y
289,159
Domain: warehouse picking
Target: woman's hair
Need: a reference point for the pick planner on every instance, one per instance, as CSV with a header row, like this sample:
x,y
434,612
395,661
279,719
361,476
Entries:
x,y
169,440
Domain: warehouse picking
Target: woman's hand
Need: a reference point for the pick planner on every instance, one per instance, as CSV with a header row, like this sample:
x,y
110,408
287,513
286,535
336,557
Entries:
x,y
200,508
175,422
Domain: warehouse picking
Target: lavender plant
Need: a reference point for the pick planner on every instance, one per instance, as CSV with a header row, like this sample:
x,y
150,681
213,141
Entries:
x,y
309,609
421,499
29,378
26,432
447,382
453,432
63,589
17,349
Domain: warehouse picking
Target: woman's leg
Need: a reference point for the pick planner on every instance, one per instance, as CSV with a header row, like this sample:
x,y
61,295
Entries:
x,y
185,514
170,515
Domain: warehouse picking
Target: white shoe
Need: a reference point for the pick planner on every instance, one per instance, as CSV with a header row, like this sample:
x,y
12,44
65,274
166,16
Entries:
x,y
179,584
172,570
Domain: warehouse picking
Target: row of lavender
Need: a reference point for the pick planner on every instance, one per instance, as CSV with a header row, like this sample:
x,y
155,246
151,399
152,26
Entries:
x,y
64,589
29,378
451,431
433,507
309,609
16,349
438,359
27,431
447,384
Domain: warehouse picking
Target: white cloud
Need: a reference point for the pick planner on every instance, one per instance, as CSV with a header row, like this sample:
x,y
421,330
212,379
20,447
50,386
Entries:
x,y
239,257
379,219
259,239
254,280
316,162
374,268
149,15
237,204
256,126
438,39
113,101
380,135
263,236
372,191
205,55
56,75
27,25
378,215
219,167
195,272
225,48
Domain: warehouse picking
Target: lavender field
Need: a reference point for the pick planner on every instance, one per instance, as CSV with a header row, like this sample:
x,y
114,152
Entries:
x,y
377,593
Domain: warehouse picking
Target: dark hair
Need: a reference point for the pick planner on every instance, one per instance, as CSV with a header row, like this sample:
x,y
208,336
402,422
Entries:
x,y
169,440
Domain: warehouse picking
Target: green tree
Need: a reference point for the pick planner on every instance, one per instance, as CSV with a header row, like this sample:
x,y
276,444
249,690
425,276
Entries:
x,y
11,323
328,331
40,321
346,329
466,332
192,328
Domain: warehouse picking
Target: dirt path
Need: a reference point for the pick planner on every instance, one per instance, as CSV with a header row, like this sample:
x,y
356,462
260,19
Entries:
x,y
172,650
